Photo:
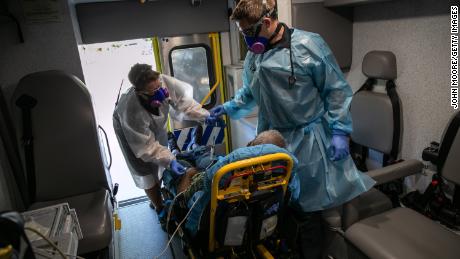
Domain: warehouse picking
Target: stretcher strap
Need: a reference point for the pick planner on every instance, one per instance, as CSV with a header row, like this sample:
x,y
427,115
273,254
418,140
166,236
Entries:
x,y
394,98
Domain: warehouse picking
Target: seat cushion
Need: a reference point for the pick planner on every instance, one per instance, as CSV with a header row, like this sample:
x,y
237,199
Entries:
x,y
403,233
94,212
368,204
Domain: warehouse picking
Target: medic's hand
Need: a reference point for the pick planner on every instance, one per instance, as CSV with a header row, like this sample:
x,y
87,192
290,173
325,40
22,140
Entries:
x,y
177,168
215,121
339,146
217,111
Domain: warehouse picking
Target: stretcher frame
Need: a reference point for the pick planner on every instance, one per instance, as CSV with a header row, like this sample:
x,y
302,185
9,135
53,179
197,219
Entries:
x,y
238,188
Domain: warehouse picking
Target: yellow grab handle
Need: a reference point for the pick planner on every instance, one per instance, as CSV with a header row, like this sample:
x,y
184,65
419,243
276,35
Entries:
x,y
215,52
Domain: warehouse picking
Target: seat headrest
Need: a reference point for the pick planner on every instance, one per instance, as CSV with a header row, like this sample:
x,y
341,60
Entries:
x,y
380,65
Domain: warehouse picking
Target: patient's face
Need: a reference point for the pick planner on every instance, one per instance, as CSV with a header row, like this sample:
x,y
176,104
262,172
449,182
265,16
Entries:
x,y
186,180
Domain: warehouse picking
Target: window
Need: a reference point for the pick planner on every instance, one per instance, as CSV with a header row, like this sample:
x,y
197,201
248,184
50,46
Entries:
x,y
193,64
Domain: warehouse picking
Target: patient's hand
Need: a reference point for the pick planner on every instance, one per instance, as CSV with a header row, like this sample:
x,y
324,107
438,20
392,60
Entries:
x,y
186,180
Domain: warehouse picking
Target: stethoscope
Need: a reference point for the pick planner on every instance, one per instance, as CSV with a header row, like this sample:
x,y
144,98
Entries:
x,y
292,78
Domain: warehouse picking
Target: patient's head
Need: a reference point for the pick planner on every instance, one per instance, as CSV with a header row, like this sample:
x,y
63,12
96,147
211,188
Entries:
x,y
269,137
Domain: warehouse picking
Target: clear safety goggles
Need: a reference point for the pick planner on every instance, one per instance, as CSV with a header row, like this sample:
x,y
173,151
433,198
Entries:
x,y
153,91
252,30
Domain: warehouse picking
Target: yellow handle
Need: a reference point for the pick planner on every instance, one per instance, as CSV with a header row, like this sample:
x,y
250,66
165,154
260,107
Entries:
x,y
215,52
116,221
263,252
229,168
6,252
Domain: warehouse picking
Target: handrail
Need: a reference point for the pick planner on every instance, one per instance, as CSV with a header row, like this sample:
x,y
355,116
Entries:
x,y
214,37
108,146
159,68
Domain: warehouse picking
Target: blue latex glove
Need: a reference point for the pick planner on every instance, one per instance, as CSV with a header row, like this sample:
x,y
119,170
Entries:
x,y
215,121
339,145
217,111
177,168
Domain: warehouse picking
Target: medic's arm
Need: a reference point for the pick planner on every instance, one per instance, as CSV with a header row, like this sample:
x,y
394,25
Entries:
x,y
185,107
334,89
243,103
135,125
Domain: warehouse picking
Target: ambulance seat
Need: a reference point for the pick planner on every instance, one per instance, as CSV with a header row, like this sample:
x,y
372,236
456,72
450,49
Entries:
x,y
403,232
377,120
67,157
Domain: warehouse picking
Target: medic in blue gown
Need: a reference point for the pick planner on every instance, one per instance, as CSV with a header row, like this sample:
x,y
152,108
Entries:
x,y
294,79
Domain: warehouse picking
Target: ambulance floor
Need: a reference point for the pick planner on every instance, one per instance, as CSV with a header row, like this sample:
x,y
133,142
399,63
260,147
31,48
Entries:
x,y
141,235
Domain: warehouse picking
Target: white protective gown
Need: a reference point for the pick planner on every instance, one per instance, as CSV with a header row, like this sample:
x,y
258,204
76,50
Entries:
x,y
143,136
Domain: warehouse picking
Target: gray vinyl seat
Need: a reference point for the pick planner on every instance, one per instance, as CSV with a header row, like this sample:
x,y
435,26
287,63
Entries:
x,y
404,233
69,165
375,126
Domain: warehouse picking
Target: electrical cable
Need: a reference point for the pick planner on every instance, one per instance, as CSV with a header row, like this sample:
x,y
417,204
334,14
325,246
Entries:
x,y
170,210
47,240
178,227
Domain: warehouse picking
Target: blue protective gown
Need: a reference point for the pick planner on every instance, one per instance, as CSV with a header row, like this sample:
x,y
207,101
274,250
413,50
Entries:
x,y
305,114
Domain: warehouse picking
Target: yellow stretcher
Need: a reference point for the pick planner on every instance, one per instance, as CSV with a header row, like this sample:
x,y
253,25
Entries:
x,y
243,181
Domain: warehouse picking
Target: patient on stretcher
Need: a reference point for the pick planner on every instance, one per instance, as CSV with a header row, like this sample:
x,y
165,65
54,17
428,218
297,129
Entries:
x,y
193,189
198,159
